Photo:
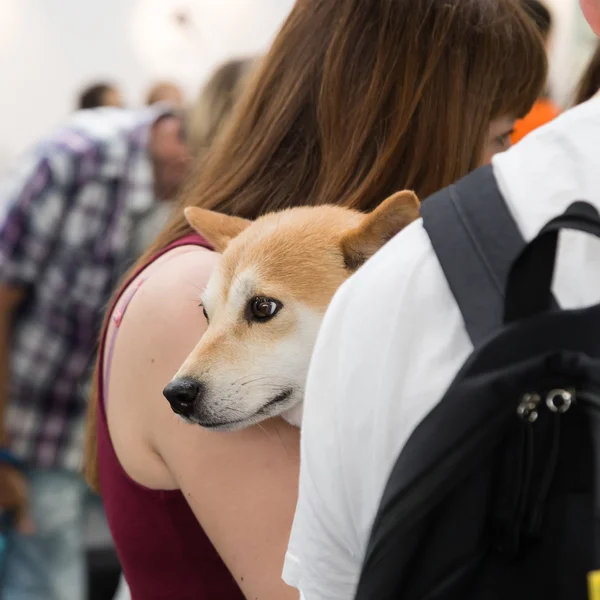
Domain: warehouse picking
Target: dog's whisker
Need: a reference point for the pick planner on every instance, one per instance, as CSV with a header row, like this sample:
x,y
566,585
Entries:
x,y
249,377
199,289
269,386
240,382
265,431
233,409
287,451
237,381
254,381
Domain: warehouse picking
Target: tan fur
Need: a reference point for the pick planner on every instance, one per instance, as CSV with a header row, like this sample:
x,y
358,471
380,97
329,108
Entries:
x,y
377,228
218,229
298,257
301,250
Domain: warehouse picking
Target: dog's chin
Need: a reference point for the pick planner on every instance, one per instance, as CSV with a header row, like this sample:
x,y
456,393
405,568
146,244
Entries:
x,y
230,425
282,404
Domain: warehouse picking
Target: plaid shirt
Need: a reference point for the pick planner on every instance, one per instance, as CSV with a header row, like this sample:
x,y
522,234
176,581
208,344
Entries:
x,y
69,214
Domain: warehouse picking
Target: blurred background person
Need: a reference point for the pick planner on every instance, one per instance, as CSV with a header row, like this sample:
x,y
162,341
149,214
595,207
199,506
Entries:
x,y
100,94
204,119
168,92
70,211
47,56
215,102
590,81
544,110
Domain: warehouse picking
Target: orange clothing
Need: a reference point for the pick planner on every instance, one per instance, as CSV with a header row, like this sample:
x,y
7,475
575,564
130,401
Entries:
x,y
543,111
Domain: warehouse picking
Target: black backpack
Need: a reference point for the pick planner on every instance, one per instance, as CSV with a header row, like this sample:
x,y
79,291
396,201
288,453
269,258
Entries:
x,y
496,493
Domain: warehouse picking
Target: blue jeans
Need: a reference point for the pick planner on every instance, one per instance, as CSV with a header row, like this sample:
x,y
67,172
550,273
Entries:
x,y
50,564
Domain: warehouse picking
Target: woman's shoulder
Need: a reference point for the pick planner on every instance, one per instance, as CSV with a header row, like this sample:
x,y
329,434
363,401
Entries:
x,y
162,302
168,281
172,272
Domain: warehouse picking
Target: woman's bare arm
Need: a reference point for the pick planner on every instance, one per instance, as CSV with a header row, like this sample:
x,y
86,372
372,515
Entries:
x,y
242,486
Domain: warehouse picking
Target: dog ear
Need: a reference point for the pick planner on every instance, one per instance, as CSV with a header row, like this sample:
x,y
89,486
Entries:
x,y
216,228
378,227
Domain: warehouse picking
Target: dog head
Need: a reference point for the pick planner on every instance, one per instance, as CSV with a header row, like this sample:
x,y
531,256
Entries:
x,y
265,301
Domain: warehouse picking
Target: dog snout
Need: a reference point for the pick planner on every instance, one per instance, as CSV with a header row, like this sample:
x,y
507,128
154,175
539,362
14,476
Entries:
x,y
182,395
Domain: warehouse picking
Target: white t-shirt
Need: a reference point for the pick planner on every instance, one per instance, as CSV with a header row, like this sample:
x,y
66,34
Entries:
x,y
393,340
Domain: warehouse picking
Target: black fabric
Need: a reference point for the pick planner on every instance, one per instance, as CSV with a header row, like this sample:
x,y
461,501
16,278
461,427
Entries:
x,y
528,288
474,245
495,494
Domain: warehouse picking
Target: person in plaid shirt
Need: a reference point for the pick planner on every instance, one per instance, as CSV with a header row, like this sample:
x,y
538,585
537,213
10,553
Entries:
x,y
68,229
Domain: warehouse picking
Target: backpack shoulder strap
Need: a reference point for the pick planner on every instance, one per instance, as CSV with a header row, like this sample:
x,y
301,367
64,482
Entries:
x,y
476,241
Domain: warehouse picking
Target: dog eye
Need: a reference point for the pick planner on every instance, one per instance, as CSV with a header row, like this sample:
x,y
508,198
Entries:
x,y
263,309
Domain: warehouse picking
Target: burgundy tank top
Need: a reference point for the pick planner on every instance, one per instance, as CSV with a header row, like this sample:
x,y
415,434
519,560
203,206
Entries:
x,y
163,550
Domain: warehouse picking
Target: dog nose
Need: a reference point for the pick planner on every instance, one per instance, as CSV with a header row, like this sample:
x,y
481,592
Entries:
x,y
182,393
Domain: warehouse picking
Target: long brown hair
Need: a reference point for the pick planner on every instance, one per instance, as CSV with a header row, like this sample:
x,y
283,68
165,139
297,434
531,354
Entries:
x,y
215,103
357,99
589,84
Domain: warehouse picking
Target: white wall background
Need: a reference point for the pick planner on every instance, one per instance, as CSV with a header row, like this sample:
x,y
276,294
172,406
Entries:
x,y
50,49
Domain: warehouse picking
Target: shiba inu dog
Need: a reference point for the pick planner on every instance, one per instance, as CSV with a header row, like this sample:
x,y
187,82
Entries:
x,y
264,304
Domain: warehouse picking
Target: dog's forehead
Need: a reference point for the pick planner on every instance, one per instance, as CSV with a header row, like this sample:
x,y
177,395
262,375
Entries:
x,y
298,250
299,232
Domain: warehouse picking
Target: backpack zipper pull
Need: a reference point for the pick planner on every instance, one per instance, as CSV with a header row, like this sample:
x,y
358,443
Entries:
x,y
513,486
558,401
528,407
